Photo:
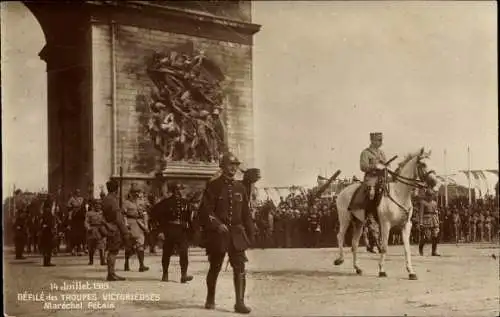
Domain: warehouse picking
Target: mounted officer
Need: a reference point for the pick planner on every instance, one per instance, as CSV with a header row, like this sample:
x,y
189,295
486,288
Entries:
x,y
371,162
228,226
174,217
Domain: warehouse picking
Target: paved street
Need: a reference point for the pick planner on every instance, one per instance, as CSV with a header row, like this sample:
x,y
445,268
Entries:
x,y
285,282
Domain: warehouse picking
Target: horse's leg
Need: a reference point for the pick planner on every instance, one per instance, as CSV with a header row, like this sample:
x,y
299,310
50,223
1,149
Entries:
x,y
344,222
406,242
385,227
356,234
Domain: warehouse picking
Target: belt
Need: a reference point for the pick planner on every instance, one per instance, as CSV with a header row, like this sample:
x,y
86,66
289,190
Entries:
x,y
176,222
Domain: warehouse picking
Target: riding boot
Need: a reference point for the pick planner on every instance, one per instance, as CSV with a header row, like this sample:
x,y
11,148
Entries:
x,y
140,256
434,247
101,257
111,268
127,258
184,267
211,285
91,256
239,280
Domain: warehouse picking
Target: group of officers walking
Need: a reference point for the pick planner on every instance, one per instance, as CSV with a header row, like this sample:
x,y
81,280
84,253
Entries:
x,y
225,222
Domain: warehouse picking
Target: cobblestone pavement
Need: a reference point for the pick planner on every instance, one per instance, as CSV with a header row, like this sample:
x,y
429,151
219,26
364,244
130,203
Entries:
x,y
464,281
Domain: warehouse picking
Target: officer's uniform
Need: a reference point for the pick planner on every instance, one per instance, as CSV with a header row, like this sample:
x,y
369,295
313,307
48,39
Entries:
x,y
175,222
47,232
225,202
94,223
368,159
136,218
117,232
429,224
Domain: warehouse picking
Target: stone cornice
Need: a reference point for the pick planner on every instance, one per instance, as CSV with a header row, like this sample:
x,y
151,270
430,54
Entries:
x,y
173,19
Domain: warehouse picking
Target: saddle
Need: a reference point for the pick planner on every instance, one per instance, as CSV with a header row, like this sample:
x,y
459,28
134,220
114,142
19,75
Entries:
x,y
361,198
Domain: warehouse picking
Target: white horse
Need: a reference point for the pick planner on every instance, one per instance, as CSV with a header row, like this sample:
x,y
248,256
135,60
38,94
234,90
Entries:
x,y
395,209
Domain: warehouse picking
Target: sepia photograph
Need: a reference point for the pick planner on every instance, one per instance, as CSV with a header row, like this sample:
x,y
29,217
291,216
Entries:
x,y
265,158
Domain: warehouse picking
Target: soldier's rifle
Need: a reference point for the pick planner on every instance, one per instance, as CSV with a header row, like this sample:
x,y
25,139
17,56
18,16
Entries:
x,y
318,192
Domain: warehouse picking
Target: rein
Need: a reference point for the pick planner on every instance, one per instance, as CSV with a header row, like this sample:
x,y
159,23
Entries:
x,y
412,182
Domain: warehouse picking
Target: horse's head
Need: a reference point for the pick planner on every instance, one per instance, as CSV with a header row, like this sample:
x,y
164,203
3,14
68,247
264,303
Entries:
x,y
419,166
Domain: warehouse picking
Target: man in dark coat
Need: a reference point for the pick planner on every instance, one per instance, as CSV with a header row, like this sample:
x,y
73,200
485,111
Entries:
x,y
117,232
174,217
227,223
47,230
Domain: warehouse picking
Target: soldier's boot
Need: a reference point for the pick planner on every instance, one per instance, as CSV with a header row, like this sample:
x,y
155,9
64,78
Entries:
x,y
211,285
126,267
91,256
111,269
165,263
140,256
239,289
434,247
46,260
184,267
101,257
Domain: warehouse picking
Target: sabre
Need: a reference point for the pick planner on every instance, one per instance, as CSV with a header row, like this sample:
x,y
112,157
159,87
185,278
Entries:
x,y
392,159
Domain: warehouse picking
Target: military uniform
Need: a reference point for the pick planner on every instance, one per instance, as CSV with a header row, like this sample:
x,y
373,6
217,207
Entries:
x,y
175,222
488,221
371,234
136,218
20,233
94,223
314,229
117,232
76,219
47,232
225,205
429,222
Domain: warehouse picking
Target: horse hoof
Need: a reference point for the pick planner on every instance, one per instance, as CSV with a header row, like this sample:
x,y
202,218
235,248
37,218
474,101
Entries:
x,y
382,274
338,261
413,277
359,271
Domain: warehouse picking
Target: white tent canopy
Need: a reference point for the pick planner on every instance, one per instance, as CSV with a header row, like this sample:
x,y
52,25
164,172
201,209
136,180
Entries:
x,y
483,182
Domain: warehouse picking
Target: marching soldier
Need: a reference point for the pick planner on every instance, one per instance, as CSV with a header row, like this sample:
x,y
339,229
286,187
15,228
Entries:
x,y
175,219
228,225
136,218
152,237
117,232
20,233
75,222
47,230
94,222
429,222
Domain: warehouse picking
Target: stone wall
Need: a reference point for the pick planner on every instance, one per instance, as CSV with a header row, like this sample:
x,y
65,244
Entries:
x,y
120,52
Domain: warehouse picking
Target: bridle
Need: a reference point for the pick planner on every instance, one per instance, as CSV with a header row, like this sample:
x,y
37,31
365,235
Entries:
x,y
420,182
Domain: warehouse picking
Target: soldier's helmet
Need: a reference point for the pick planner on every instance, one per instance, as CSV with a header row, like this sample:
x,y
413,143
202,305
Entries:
x,y
134,188
228,159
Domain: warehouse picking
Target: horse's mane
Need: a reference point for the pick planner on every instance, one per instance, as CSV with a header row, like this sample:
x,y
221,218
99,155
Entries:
x,y
407,158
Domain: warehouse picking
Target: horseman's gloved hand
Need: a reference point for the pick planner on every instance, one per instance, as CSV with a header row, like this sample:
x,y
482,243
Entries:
x,y
379,166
